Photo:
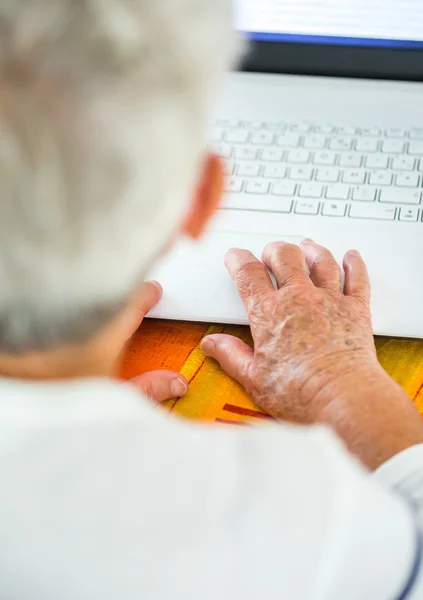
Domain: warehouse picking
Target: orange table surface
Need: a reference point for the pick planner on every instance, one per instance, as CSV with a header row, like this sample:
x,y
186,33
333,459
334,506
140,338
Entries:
x,y
213,396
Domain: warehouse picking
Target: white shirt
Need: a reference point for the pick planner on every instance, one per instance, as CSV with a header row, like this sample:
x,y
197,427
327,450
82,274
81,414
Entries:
x,y
104,496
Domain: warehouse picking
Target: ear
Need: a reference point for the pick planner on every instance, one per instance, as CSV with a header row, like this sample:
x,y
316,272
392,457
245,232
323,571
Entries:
x,y
207,197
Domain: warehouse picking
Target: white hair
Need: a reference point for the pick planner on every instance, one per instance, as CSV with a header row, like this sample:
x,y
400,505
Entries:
x,y
104,108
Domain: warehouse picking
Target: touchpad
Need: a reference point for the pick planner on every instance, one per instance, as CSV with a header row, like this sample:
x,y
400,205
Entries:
x,y
197,286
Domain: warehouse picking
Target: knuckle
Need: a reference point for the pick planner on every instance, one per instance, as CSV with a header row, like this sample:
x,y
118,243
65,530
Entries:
x,y
296,279
248,277
263,309
282,249
148,389
324,257
327,263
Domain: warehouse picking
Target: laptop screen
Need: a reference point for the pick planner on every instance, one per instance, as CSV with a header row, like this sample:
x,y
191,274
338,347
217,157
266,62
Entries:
x,y
383,23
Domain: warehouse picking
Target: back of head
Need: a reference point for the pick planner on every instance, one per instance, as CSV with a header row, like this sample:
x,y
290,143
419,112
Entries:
x,y
103,116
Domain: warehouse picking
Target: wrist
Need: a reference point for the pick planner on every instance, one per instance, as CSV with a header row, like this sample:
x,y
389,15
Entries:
x,y
367,409
339,378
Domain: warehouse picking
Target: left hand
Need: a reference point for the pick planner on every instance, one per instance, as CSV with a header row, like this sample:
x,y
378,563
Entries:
x,y
157,385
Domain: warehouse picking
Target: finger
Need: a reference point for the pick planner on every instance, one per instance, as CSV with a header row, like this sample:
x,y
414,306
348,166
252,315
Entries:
x,y
286,262
151,292
357,282
141,304
324,270
250,276
161,385
234,356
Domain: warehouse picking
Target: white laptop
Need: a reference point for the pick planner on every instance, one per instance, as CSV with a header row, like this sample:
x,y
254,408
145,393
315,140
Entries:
x,y
323,136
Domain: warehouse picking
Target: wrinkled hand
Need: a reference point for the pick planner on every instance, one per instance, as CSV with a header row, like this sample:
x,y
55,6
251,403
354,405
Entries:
x,y
311,331
157,385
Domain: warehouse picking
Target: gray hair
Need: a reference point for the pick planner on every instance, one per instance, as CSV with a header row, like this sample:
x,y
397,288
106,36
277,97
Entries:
x,y
104,108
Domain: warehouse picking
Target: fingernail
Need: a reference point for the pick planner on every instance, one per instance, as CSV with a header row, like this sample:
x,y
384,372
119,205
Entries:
x,y
354,253
207,347
178,388
156,283
307,241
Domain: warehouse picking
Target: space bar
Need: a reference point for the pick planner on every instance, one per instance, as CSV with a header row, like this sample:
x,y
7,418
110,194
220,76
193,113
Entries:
x,y
257,202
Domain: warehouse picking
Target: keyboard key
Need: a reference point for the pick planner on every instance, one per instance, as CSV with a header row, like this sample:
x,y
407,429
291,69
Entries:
x,y
421,165
350,160
245,153
360,210
324,157
248,169
271,155
330,175
263,138
393,146
381,178
257,187
257,203
334,209
237,136
354,176
311,190
395,132
365,193
286,188
378,161
370,131
315,142
307,208
234,185
289,140
217,135
416,133
301,173
298,157
276,127
323,129
229,167
403,163
223,149
275,171
341,143
253,124
348,130
410,214
300,127
400,196
338,191
367,145
411,180
415,148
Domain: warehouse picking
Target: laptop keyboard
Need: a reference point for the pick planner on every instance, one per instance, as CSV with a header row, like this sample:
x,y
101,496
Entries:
x,y
319,169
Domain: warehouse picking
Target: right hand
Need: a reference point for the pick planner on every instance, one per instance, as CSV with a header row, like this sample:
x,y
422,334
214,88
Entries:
x,y
307,334
314,357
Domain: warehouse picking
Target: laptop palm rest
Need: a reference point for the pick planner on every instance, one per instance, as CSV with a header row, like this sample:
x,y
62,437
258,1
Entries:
x,y
197,286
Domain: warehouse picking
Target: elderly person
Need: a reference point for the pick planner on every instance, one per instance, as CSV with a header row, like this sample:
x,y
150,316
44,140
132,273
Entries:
x,y
103,117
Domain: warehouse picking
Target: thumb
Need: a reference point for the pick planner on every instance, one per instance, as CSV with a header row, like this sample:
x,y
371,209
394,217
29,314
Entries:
x,y
234,356
142,302
161,385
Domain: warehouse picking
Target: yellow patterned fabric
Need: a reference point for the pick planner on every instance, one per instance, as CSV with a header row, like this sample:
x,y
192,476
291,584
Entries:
x,y
213,396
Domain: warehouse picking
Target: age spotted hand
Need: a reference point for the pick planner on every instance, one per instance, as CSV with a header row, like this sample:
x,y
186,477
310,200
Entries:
x,y
313,329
